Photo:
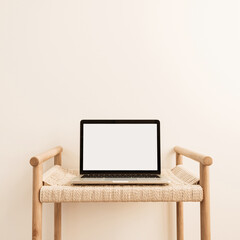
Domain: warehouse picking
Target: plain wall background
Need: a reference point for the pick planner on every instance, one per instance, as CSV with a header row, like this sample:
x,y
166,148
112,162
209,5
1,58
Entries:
x,y
62,61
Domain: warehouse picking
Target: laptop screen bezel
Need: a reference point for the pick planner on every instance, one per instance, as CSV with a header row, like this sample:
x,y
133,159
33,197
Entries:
x,y
122,121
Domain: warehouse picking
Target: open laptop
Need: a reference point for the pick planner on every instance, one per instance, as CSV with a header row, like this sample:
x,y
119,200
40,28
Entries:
x,y
120,152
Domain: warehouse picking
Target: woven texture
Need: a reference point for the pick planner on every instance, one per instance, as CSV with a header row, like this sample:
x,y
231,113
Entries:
x,y
183,187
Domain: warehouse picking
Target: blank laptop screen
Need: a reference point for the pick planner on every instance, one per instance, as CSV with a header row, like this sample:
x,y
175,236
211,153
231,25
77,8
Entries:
x,y
120,147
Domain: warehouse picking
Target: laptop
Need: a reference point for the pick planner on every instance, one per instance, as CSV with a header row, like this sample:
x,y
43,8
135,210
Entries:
x,y
120,152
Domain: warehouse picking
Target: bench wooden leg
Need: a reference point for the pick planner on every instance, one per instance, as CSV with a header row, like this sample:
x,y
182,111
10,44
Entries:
x,y
205,204
57,221
57,207
37,205
180,230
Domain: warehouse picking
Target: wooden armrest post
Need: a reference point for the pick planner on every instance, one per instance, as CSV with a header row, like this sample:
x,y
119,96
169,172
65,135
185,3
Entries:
x,y
37,162
179,207
58,159
179,159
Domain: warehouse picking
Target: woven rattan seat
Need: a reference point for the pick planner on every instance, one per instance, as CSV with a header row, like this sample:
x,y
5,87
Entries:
x,y
183,187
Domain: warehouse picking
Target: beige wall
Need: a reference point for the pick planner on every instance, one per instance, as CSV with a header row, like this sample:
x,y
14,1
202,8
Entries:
x,y
62,61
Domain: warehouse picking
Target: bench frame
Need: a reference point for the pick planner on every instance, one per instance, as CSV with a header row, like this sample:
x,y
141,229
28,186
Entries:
x,y
37,163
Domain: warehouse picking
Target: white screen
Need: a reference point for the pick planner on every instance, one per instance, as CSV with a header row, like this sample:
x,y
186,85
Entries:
x,y
120,146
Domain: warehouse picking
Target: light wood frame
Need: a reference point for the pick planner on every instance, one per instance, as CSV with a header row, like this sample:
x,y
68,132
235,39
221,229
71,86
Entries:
x,y
37,161
205,162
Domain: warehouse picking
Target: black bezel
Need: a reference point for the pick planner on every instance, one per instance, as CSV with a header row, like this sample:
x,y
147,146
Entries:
x,y
127,121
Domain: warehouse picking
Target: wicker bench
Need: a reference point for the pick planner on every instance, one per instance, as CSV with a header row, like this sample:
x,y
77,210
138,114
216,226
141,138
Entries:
x,y
54,187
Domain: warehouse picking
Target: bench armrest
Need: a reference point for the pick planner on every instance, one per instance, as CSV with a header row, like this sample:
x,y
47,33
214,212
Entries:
x,y
204,160
40,158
